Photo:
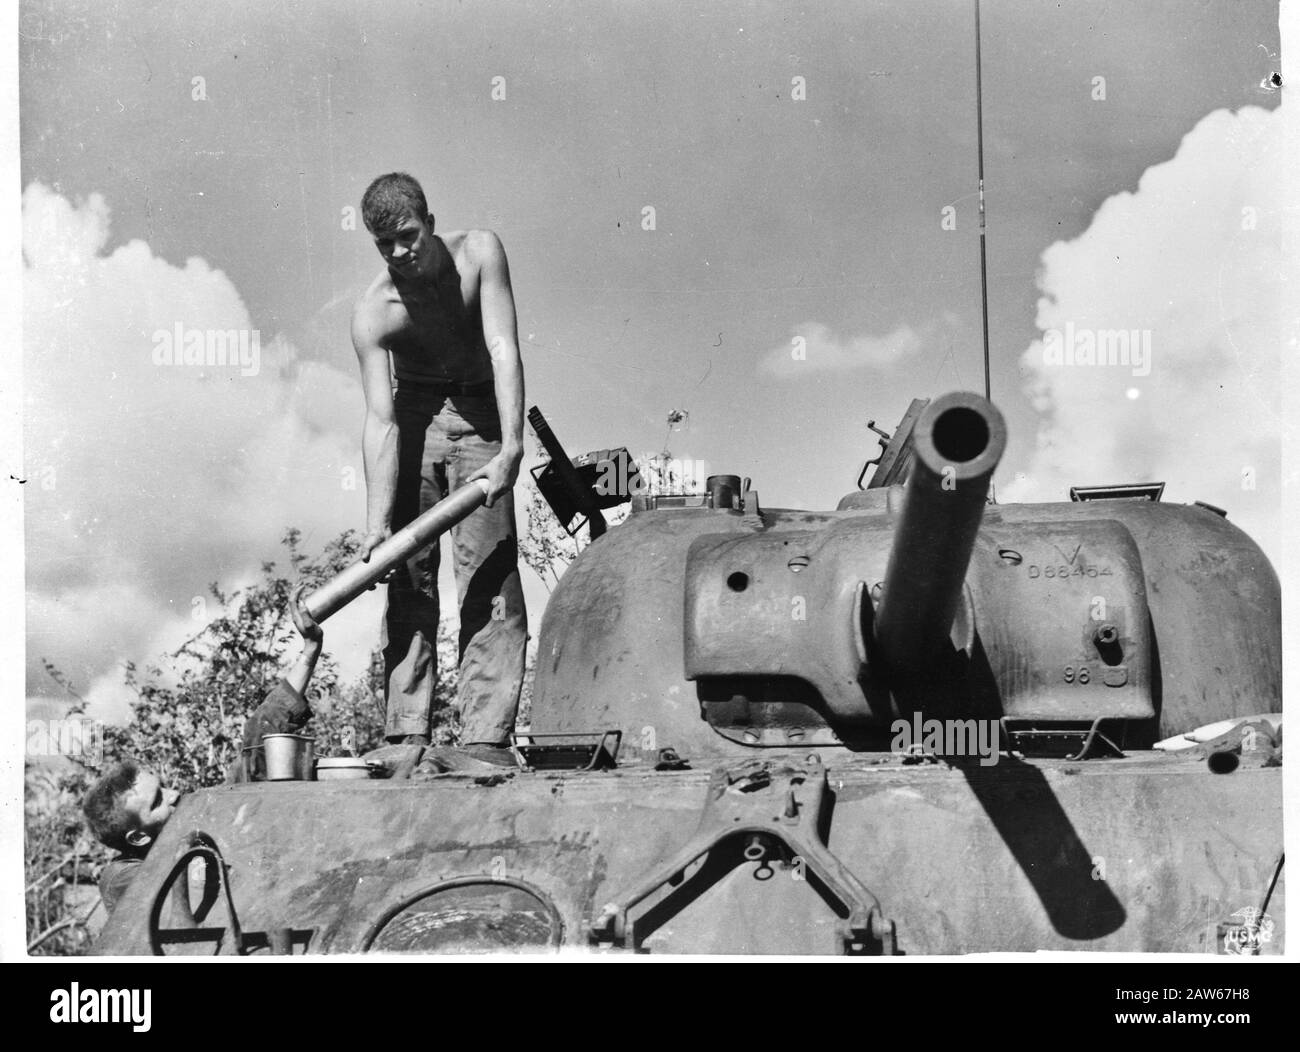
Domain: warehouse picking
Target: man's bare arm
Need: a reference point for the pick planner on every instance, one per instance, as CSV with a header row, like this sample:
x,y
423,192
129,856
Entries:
x,y
497,302
313,639
379,433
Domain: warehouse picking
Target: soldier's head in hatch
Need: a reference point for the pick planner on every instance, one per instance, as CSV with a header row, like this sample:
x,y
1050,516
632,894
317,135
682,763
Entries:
x,y
128,806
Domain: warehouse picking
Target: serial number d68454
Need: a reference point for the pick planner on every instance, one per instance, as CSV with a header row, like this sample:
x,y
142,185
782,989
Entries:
x,y
1036,571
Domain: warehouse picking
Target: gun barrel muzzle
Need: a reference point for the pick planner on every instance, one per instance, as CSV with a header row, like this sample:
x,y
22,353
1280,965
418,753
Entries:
x,y
345,586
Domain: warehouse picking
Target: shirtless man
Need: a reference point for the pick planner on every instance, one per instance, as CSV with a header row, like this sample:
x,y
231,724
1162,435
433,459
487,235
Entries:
x,y
443,311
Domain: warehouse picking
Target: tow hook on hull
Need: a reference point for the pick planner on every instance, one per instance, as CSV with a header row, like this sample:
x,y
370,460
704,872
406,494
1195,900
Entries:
x,y
775,809
188,929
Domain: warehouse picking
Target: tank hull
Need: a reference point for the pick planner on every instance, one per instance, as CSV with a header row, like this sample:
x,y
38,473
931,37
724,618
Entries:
x,y
1146,853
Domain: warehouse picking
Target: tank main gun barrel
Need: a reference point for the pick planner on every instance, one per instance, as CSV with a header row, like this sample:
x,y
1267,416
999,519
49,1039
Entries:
x,y
345,586
958,441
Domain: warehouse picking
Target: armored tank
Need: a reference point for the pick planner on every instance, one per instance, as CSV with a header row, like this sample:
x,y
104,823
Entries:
x,y
920,723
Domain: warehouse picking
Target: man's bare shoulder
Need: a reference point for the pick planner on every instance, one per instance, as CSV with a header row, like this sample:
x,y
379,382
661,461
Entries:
x,y
372,311
474,246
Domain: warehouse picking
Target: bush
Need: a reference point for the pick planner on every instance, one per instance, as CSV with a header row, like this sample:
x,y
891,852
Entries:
x,y
187,725
60,859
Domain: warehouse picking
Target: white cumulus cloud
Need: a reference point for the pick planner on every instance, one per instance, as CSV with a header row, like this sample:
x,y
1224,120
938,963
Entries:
x,y
148,481
1191,265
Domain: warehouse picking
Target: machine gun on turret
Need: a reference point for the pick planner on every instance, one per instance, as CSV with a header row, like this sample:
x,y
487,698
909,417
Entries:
x,y
581,489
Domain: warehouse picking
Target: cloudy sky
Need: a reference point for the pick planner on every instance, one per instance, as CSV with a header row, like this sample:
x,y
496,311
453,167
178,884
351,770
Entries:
x,y
812,176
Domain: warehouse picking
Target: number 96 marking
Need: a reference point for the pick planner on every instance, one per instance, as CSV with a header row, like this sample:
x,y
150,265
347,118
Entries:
x,y
1081,674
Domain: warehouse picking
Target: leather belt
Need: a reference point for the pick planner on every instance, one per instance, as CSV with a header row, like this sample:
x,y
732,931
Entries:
x,y
448,388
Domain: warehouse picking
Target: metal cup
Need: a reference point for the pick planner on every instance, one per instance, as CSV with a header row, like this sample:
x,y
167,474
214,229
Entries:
x,y
289,757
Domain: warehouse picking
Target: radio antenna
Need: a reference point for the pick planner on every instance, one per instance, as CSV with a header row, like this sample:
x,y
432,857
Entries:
x,y
979,140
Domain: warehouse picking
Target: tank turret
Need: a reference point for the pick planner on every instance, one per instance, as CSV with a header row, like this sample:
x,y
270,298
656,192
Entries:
x,y
718,629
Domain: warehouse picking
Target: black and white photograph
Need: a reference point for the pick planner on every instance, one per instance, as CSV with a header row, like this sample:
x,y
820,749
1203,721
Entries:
x,y
592,481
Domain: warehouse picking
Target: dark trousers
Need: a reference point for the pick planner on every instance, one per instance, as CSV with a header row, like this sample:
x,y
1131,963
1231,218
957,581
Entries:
x,y
441,442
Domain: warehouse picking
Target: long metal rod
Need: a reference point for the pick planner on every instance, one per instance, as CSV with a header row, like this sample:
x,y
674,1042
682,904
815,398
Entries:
x,y
341,589
979,138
